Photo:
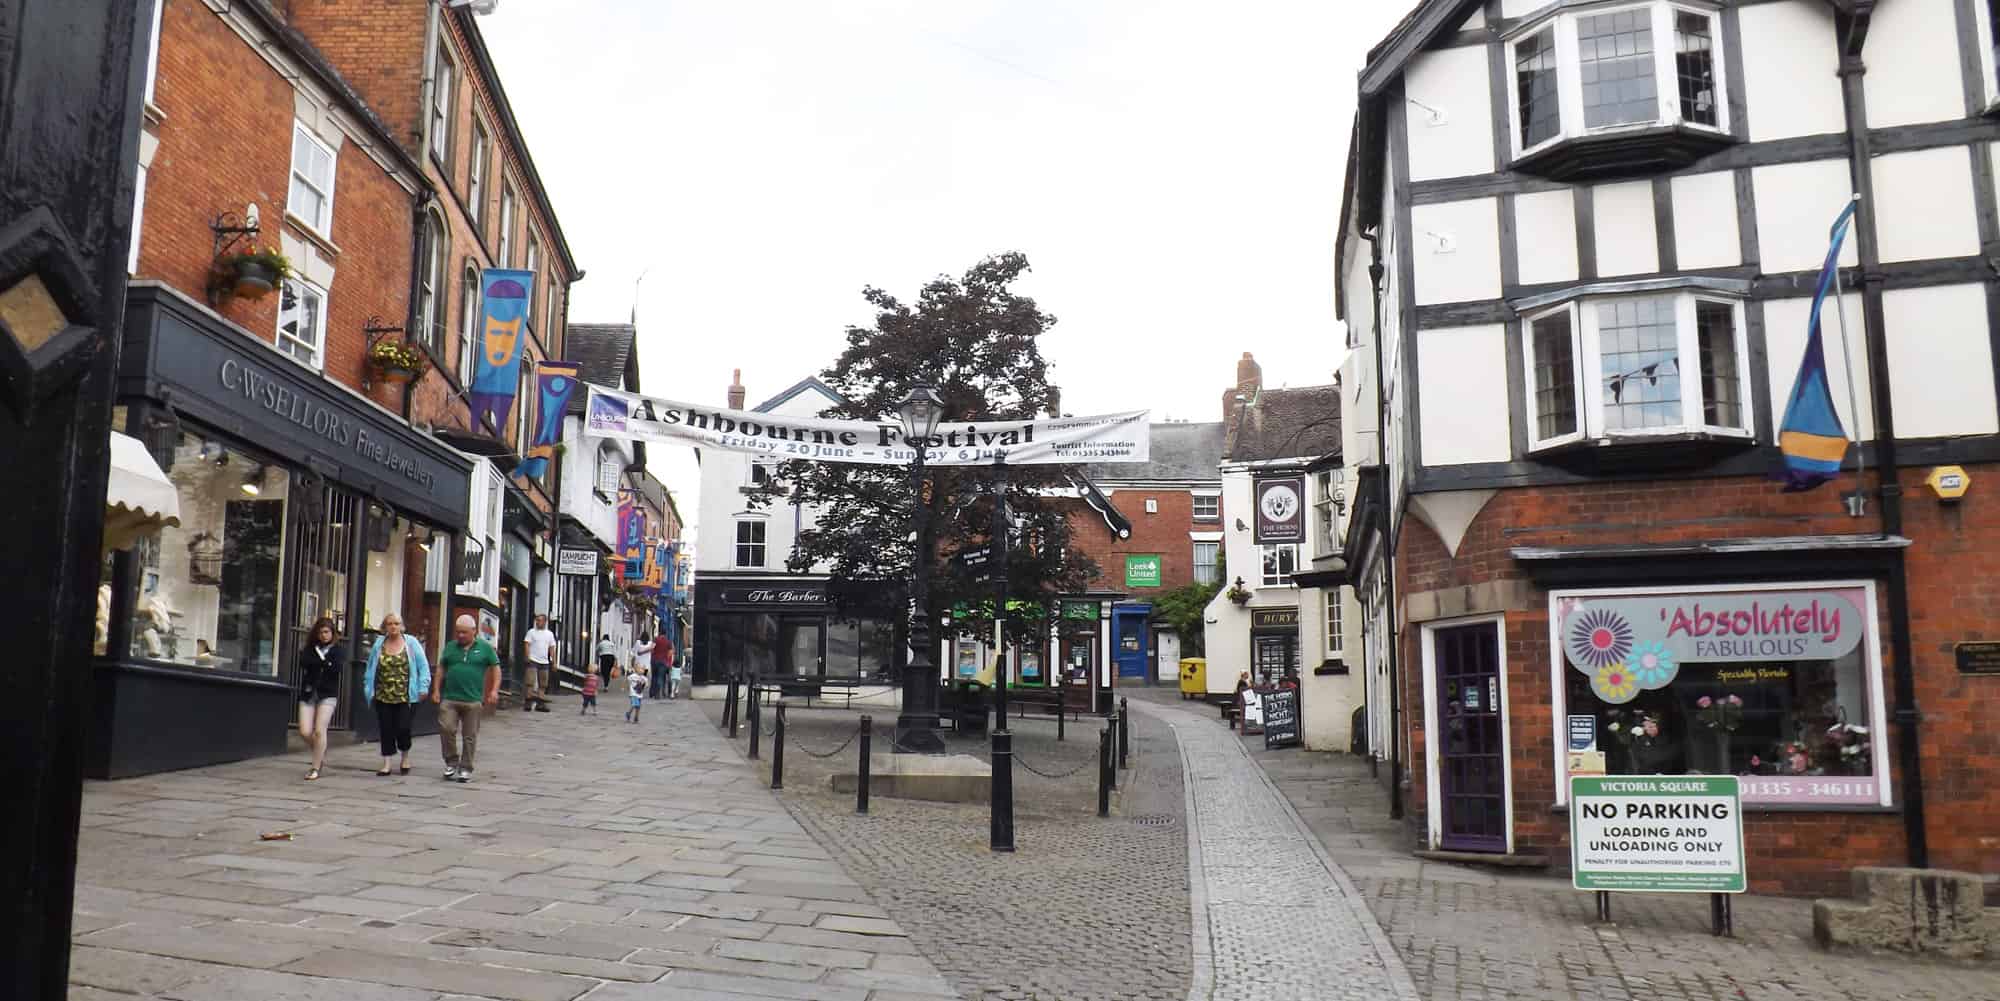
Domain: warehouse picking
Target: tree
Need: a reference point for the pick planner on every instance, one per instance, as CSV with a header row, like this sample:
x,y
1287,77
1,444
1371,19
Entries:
x,y
975,341
1183,610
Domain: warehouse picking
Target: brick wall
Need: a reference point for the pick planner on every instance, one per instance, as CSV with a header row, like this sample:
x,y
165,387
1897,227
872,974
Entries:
x,y
1164,533
375,44
1954,587
225,141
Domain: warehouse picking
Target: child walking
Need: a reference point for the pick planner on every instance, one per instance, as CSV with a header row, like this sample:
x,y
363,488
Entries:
x,y
590,684
635,680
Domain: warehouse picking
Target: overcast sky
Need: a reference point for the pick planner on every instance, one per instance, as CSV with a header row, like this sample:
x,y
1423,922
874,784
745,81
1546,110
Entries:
x,y
1172,169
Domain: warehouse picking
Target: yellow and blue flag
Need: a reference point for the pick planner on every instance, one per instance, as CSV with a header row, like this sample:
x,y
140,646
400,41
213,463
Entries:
x,y
1810,438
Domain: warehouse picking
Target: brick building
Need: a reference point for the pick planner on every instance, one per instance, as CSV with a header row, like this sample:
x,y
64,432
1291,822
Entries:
x,y
310,486
426,70
1581,308
1171,506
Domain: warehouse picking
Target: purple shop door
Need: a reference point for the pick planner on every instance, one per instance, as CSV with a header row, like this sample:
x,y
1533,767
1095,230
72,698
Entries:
x,y
1471,772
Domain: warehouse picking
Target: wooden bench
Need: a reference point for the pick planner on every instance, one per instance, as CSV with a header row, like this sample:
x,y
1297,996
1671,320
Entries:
x,y
792,686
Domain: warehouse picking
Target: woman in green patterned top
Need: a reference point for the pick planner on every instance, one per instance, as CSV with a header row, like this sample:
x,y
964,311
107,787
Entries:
x,y
399,676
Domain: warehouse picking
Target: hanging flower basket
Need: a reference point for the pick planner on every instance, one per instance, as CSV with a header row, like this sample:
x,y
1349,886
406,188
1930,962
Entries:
x,y
396,362
1237,594
254,274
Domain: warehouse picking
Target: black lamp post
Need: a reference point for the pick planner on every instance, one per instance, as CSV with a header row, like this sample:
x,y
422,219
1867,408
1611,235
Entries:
x,y
916,725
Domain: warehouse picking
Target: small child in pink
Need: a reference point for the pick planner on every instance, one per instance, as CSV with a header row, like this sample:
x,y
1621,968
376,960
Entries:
x,y
590,683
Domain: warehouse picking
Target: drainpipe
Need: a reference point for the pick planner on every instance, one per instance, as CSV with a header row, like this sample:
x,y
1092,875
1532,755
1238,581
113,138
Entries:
x,y
1853,27
1375,273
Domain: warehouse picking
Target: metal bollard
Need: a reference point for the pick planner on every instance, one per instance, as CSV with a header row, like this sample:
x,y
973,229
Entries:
x,y
730,706
1124,733
1059,719
778,749
861,783
1001,837
1104,773
756,724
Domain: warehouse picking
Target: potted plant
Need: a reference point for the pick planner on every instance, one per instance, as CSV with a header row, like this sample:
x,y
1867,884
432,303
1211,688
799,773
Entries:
x,y
254,273
1237,594
396,361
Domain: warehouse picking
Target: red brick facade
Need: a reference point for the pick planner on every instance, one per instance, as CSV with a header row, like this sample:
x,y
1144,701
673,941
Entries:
x,y
1954,586
1163,533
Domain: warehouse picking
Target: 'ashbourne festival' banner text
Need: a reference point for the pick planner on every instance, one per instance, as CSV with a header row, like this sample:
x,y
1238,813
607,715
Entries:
x,y
1052,441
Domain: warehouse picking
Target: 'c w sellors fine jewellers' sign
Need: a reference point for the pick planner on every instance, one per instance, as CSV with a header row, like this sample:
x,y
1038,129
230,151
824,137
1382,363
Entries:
x,y
1120,437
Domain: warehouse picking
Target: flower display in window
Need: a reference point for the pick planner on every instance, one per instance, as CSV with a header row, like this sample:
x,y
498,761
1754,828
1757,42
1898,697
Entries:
x,y
1599,638
1725,713
1653,665
1615,684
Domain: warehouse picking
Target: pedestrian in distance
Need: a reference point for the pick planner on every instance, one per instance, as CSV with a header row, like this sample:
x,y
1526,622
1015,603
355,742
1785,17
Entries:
x,y
466,684
673,675
590,687
636,684
663,656
540,646
607,658
398,677
319,690
642,654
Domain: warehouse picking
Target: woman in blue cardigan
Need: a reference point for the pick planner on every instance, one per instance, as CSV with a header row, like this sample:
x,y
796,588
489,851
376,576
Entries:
x,y
399,677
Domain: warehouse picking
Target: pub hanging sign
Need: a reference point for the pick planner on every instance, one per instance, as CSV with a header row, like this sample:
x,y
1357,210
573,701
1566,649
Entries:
x,y
1281,506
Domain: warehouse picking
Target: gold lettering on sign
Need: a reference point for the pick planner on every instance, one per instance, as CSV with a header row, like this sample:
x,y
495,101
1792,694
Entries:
x,y
31,313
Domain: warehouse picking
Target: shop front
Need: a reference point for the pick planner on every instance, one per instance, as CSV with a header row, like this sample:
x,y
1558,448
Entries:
x,y
1778,683
1274,645
299,500
786,627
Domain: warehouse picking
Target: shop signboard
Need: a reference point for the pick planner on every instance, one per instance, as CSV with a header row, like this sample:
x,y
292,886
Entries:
x,y
797,596
1274,618
1281,718
1656,833
576,562
1979,657
1281,510
1142,571
1713,627
1080,610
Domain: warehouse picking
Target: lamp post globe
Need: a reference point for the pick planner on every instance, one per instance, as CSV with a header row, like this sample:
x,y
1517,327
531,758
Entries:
x,y
916,726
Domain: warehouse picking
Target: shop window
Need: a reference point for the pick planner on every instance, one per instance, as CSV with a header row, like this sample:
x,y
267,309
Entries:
x,y
750,549
311,198
1206,557
1778,686
1334,633
302,322
1628,367
1628,89
206,593
1207,507
1280,562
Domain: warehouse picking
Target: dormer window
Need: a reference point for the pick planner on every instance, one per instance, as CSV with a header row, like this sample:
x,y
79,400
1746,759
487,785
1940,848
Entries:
x,y
1609,90
1621,369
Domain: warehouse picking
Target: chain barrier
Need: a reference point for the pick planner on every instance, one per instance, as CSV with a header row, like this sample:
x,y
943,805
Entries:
x,y
1089,763
812,753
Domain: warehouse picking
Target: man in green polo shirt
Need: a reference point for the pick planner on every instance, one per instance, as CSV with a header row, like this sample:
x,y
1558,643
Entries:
x,y
466,683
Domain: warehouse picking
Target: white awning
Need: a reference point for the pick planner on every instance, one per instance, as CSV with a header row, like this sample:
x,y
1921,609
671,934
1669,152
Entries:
x,y
139,498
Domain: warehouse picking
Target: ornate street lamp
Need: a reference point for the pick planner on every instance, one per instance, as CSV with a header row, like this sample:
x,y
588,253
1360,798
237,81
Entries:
x,y
916,725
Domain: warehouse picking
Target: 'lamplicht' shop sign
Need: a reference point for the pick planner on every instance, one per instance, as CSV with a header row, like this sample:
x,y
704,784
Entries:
x,y
1657,834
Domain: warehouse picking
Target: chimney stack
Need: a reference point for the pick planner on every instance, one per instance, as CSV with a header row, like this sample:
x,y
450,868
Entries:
x,y
1249,379
736,389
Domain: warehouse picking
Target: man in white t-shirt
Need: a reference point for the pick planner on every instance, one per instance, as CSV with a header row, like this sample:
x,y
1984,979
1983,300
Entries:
x,y
540,646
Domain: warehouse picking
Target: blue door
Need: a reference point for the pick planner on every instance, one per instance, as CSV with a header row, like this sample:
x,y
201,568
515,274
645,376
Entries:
x,y
1128,640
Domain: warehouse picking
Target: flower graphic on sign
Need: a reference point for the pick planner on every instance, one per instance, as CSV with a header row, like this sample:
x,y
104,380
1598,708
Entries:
x,y
1615,684
1652,665
1597,638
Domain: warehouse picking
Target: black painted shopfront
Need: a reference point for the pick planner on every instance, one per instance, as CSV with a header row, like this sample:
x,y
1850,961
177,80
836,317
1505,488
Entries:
x,y
765,627
299,499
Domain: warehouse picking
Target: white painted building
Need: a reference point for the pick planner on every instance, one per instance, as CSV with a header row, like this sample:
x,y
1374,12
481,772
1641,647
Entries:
x,y
1579,247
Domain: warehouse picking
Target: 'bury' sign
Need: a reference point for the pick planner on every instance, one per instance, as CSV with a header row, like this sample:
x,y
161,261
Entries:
x,y
1657,834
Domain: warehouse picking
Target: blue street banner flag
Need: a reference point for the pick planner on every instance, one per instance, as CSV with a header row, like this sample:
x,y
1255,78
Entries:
x,y
555,386
504,297
1810,437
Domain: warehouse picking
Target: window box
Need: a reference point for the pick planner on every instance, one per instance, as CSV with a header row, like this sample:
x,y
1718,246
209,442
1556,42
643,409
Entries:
x,y
1608,91
1626,374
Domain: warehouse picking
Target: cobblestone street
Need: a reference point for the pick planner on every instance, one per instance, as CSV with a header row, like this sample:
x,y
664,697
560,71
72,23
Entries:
x,y
1086,909
591,857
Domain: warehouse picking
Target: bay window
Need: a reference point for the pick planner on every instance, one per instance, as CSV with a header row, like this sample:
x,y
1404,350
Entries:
x,y
1584,77
1628,366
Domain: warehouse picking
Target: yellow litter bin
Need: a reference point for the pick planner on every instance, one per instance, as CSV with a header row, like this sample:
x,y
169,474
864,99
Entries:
x,y
1194,677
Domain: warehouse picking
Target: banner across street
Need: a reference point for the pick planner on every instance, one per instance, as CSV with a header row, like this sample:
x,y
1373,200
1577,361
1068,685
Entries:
x,y
1120,437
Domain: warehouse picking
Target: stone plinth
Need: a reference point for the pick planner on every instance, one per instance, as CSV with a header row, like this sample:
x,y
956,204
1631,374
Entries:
x,y
943,778
1934,911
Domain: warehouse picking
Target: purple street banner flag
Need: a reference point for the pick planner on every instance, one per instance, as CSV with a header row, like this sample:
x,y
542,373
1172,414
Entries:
x,y
555,386
496,372
1811,438
632,536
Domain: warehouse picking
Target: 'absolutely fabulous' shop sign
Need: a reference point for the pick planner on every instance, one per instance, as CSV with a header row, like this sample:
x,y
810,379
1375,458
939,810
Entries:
x,y
1653,635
